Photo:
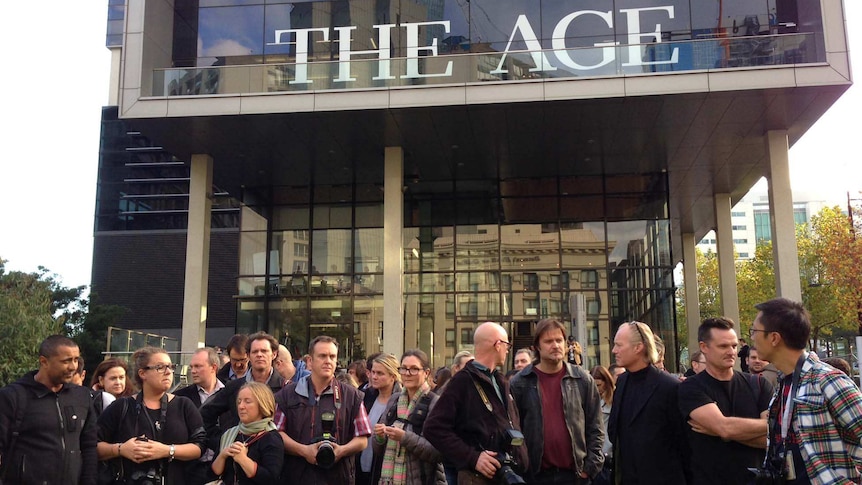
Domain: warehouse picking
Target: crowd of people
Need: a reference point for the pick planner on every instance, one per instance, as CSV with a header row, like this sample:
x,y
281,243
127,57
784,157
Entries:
x,y
252,414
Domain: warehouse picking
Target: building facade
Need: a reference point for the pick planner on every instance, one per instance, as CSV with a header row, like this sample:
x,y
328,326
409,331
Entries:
x,y
752,223
394,172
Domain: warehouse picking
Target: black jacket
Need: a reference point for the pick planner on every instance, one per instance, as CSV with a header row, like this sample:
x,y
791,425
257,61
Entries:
x,y
583,414
460,425
191,392
664,455
219,411
57,438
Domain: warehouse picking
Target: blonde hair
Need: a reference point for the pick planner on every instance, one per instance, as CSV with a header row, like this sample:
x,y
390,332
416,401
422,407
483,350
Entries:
x,y
641,333
263,395
390,363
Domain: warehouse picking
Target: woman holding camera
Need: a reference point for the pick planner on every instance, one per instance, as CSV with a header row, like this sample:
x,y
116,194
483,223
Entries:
x,y
153,433
253,451
408,458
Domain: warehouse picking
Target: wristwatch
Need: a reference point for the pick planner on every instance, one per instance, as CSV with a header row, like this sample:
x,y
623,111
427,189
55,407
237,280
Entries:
x,y
171,452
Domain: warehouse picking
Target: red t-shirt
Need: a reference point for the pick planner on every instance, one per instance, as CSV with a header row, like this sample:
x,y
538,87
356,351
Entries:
x,y
557,450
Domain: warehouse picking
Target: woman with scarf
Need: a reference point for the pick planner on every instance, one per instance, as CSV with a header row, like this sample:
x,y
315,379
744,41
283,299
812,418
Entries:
x,y
408,458
253,451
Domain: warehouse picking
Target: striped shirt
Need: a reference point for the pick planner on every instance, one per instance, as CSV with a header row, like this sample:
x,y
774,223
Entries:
x,y
827,423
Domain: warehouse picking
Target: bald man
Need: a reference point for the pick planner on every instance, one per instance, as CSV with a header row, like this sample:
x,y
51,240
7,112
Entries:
x,y
471,420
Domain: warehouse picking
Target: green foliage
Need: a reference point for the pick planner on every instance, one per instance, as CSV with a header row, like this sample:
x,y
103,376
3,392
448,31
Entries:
x,y
89,327
830,258
755,283
26,306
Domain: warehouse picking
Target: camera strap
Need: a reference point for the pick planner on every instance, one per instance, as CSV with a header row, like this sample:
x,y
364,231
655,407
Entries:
x,y
487,401
787,409
156,427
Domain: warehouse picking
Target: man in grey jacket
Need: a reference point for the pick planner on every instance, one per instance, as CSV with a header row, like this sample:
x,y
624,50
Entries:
x,y
560,411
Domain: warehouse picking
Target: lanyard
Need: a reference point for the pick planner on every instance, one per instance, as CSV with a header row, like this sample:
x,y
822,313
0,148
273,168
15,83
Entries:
x,y
788,403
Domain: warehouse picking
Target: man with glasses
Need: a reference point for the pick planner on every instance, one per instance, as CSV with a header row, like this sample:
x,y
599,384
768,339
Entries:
x,y
815,420
237,365
726,410
472,422
560,410
219,411
698,363
645,425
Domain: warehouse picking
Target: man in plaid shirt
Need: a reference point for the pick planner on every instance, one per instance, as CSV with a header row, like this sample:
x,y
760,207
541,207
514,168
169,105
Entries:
x,y
815,417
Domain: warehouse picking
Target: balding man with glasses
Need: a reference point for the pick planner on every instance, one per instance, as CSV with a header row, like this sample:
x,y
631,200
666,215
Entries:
x,y
645,426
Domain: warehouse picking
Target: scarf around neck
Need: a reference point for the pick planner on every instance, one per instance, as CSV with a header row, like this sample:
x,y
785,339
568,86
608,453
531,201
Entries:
x,y
394,469
249,429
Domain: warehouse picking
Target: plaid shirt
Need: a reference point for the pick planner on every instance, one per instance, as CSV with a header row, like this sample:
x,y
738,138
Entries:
x,y
827,422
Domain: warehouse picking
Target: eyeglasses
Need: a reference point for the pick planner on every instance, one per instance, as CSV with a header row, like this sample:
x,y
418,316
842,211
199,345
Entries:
x,y
752,331
507,344
239,361
638,328
412,371
162,368
698,362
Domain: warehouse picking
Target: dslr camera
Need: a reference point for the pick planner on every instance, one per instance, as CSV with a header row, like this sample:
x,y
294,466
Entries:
x,y
325,452
506,475
149,477
772,473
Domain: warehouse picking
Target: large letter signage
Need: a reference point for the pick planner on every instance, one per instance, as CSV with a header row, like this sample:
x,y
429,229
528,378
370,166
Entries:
x,y
565,56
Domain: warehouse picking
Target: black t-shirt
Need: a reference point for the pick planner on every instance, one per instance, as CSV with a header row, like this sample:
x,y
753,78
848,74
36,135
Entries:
x,y
713,460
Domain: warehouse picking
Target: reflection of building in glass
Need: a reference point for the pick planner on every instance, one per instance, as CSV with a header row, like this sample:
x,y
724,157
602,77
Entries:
x,y
392,203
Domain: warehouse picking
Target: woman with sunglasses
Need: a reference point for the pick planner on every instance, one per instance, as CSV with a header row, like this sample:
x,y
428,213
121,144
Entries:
x,y
153,433
408,458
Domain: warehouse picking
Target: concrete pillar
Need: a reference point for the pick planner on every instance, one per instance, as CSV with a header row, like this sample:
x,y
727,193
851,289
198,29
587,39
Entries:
x,y
726,259
692,302
197,254
393,222
784,249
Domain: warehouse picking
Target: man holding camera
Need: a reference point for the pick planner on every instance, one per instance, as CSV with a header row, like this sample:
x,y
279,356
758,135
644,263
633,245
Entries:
x,y
322,422
475,424
560,411
815,420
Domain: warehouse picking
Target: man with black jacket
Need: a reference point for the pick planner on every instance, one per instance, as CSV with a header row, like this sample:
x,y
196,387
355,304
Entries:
x,y
473,420
560,410
237,365
48,424
262,348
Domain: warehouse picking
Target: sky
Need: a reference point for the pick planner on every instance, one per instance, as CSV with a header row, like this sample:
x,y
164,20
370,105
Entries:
x,y
55,81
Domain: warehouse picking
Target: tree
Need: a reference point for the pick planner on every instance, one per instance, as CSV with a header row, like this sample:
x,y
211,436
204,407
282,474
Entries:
x,y
830,258
708,293
26,319
755,283
88,326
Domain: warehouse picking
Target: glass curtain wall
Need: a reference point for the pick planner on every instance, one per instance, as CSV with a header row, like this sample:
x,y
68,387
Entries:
x,y
519,250
311,263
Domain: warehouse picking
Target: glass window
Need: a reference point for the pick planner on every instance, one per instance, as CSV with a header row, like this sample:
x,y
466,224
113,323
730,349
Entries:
x,y
331,251
230,32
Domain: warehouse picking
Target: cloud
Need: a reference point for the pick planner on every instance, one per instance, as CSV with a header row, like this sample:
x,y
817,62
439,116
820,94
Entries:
x,y
226,47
